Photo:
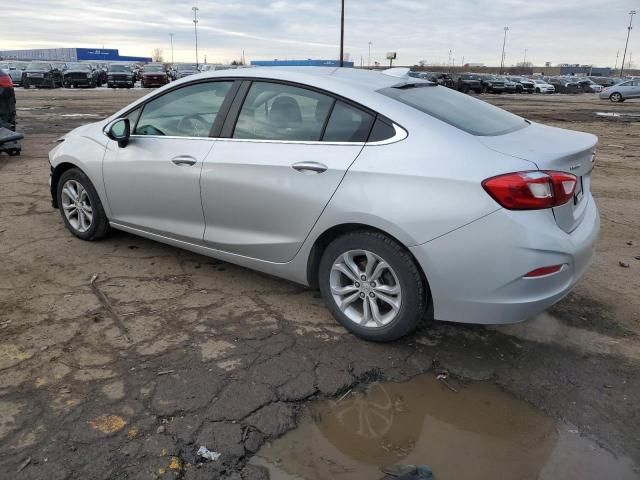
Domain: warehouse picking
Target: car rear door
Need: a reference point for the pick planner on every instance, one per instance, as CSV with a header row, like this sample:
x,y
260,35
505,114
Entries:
x,y
153,183
284,151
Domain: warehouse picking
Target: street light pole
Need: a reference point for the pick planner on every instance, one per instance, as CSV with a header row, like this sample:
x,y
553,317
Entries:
x,y
624,55
369,61
342,33
195,29
504,43
171,37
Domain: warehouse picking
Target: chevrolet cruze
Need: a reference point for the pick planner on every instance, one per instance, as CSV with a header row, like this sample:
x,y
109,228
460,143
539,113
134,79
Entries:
x,y
388,193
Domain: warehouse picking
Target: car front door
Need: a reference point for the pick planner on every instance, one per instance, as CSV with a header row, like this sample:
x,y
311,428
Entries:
x,y
153,184
634,90
287,150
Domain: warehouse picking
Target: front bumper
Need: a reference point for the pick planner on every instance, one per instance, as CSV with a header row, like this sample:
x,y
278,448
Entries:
x,y
476,273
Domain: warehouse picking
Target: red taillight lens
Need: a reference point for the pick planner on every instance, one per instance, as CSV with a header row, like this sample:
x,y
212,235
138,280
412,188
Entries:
x,y
5,81
541,272
531,190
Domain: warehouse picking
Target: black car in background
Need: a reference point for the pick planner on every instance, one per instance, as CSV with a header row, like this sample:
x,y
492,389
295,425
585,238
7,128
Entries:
x,y
42,75
120,76
80,75
564,85
523,84
604,81
492,84
468,82
7,101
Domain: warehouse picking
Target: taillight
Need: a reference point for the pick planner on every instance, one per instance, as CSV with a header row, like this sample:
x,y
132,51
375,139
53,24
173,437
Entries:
x,y
5,81
544,271
531,190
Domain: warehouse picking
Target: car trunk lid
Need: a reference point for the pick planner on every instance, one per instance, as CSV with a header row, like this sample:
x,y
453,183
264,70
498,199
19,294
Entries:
x,y
551,148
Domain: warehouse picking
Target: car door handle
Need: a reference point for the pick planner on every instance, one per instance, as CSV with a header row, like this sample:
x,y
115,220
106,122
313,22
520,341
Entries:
x,y
184,160
314,167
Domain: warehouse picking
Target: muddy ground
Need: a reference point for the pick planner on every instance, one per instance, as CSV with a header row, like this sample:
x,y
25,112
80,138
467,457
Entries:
x,y
220,356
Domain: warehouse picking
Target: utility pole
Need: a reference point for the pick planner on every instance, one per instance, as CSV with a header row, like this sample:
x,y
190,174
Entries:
x,y
616,65
504,44
369,61
624,55
524,61
450,52
171,37
195,29
342,33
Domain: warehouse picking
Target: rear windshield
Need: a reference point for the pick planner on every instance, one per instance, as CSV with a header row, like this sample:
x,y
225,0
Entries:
x,y
458,109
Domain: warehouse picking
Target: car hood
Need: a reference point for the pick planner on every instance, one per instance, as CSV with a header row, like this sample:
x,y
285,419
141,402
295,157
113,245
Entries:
x,y
71,70
153,73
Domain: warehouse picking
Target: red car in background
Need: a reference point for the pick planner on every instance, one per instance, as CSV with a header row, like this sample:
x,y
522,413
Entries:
x,y
154,76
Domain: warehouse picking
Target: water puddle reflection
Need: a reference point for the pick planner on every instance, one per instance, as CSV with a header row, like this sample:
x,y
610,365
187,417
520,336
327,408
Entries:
x,y
475,432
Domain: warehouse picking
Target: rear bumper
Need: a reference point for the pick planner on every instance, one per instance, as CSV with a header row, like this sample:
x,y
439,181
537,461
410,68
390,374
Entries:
x,y
476,273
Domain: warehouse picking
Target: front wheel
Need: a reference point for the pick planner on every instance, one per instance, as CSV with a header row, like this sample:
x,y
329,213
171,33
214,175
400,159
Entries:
x,y
616,97
80,206
372,286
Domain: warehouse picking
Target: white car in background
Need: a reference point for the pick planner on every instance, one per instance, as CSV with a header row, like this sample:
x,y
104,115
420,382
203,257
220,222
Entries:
x,y
543,87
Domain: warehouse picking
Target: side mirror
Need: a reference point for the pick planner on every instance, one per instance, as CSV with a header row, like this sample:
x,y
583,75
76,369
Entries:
x,y
120,131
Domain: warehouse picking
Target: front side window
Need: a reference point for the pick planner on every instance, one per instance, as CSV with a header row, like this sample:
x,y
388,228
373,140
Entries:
x,y
186,112
273,111
457,109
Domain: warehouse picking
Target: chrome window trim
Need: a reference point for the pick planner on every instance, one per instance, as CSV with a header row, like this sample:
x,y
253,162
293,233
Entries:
x,y
400,134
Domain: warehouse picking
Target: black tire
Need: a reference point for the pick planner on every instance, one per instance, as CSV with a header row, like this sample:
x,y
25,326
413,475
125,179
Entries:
x,y
414,294
100,224
26,85
616,97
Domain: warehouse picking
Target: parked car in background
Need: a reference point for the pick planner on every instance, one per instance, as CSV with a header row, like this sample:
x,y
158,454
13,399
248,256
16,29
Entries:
x,y
467,82
154,75
274,169
120,76
509,85
492,84
564,85
604,81
80,75
185,69
14,69
523,85
543,87
587,85
622,91
7,101
41,74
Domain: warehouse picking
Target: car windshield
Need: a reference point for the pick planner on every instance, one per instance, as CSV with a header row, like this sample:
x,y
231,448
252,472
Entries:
x,y
79,66
457,109
154,68
37,66
187,67
469,77
119,68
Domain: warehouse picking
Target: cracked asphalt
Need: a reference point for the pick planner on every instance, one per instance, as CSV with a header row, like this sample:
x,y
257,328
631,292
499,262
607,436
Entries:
x,y
223,357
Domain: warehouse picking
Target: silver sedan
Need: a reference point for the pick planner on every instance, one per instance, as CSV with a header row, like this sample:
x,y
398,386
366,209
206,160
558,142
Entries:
x,y
388,193
622,91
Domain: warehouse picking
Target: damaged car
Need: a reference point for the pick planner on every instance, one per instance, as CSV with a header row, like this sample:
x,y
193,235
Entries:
x,y
42,74
120,76
80,75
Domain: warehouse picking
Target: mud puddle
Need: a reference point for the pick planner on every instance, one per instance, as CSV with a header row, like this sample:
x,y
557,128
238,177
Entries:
x,y
461,431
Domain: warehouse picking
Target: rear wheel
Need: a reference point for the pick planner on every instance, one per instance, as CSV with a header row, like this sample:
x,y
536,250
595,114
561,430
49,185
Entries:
x,y
616,97
372,286
80,206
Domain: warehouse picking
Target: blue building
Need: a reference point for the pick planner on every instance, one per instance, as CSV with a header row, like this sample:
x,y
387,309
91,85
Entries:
x,y
299,63
72,55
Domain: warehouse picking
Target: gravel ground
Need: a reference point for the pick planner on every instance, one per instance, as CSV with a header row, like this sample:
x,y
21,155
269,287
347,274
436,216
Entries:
x,y
221,356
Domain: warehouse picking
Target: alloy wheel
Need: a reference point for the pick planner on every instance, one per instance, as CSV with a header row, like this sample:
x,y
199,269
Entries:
x,y
77,206
365,288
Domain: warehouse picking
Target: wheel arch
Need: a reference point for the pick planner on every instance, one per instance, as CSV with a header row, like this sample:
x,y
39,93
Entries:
x,y
56,173
326,237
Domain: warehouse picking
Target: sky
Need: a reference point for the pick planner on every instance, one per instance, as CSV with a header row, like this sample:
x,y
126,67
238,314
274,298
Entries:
x,y
565,31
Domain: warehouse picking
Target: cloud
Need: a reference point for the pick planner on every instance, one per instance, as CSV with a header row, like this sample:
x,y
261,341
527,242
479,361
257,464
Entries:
x,y
571,31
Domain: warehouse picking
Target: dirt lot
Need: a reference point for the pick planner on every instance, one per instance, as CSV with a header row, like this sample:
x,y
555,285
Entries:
x,y
220,356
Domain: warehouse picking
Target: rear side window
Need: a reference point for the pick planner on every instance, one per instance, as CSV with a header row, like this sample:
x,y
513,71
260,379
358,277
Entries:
x,y
347,124
457,109
274,111
381,130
